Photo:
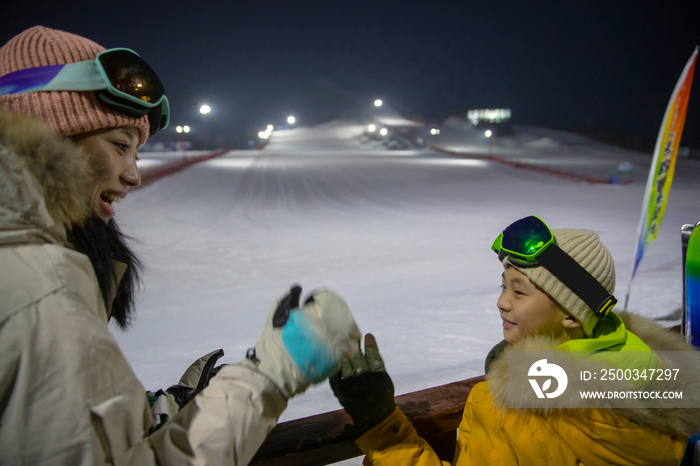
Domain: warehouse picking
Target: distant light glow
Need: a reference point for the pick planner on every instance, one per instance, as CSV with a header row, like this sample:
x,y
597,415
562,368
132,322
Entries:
x,y
488,133
291,120
147,163
434,131
179,129
378,103
204,109
266,134
492,115
371,128
452,162
231,163
383,131
186,129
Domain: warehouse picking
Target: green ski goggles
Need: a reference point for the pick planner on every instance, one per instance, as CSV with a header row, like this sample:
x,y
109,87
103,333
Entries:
x,y
529,242
121,79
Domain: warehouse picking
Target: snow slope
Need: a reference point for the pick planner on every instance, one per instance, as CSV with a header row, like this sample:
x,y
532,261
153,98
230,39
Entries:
x,y
403,236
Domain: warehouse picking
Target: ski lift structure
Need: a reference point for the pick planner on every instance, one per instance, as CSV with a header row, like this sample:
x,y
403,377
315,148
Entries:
x,y
496,120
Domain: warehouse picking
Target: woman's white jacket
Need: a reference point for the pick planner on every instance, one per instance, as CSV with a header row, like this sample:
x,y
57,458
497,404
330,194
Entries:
x,y
67,394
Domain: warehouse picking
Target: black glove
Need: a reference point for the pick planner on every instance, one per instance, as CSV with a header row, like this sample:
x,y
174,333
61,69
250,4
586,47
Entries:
x,y
364,389
166,404
196,378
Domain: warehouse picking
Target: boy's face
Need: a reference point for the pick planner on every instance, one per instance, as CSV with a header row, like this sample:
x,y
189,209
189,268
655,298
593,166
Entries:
x,y
527,310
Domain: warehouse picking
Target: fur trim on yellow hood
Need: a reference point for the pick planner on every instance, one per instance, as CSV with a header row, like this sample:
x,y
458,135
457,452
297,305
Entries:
x,y
675,421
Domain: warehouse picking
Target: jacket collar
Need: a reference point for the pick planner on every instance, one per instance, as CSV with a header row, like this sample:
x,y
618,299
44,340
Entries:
x,y
45,182
626,332
45,186
119,271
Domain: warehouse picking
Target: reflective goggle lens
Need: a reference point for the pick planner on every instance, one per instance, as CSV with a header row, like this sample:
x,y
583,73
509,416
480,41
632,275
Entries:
x,y
526,237
130,74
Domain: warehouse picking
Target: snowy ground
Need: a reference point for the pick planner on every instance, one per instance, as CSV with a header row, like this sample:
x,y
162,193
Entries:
x,y
403,236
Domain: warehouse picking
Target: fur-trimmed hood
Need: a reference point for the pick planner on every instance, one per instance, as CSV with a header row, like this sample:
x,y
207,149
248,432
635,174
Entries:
x,y
675,421
45,182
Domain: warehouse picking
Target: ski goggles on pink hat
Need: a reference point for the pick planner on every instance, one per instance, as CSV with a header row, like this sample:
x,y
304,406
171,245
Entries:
x,y
529,242
121,79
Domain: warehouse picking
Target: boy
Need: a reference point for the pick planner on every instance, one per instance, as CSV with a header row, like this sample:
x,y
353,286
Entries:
x,y
540,312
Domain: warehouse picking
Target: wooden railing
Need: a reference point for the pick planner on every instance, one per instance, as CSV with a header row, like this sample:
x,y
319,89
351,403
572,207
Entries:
x,y
318,440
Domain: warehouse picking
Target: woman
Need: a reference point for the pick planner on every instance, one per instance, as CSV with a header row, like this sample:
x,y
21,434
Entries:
x,y
72,116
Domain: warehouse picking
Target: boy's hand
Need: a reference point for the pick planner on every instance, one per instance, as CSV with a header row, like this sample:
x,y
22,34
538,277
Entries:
x,y
364,389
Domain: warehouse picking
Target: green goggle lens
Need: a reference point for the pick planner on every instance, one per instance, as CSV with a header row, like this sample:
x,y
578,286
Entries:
x,y
526,237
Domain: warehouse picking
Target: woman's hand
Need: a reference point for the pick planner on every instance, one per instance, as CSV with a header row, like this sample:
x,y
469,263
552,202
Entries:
x,y
304,344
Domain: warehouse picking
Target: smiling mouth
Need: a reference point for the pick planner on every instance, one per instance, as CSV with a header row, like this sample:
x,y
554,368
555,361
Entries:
x,y
506,321
109,198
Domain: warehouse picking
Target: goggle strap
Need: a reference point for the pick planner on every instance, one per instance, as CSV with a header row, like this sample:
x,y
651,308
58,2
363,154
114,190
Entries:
x,y
578,280
81,76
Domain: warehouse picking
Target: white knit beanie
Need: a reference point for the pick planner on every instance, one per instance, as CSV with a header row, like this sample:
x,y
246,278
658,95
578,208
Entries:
x,y
586,249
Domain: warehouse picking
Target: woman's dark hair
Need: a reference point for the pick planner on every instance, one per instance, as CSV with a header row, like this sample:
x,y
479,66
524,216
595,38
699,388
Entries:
x,y
103,242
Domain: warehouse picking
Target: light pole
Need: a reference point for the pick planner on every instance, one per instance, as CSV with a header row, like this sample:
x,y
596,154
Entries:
x,y
204,110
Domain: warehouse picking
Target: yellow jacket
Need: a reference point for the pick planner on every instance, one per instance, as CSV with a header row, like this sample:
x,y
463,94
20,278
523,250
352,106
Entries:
x,y
492,434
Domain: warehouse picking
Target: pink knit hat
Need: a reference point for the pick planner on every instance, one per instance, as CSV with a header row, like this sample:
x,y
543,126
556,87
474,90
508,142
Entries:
x,y
66,112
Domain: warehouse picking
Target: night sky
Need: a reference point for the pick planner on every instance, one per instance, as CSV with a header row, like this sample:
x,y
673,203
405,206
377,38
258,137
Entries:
x,y
609,65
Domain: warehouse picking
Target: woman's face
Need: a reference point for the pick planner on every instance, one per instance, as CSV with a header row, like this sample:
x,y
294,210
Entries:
x,y
113,153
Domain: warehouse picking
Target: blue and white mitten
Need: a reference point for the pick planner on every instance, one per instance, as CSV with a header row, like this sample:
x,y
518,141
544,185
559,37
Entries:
x,y
300,346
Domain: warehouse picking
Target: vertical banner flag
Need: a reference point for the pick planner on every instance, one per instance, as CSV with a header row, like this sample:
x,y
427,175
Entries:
x,y
663,165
